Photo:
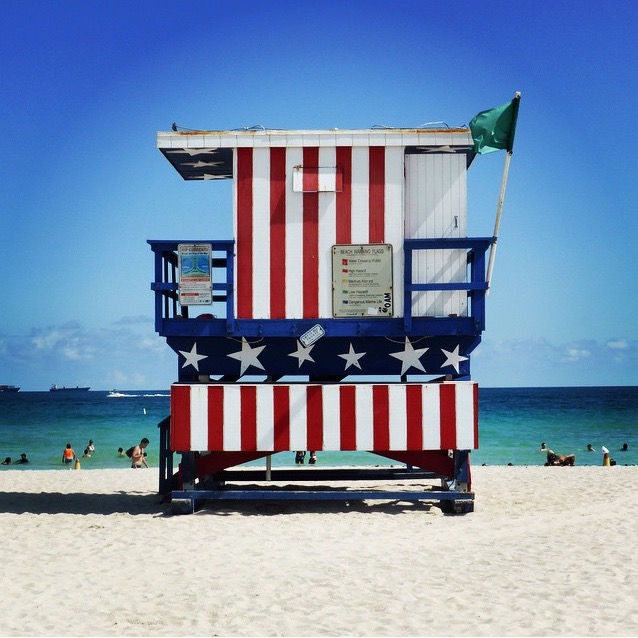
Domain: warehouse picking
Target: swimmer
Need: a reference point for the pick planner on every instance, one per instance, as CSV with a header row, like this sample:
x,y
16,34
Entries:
x,y
68,456
590,448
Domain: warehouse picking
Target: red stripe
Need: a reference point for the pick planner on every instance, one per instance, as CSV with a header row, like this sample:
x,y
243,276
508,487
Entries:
x,y
180,417
447,399
476,416
380,417
277,233
244,232
414,417
215,418
281,415
310,233
344,198
248,418
314,417
348,418
377,194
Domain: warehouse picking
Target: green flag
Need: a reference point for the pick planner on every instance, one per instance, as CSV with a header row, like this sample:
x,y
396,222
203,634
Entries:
x,y
494,129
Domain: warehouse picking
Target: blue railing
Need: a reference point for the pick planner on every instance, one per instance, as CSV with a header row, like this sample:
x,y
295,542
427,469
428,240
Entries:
x,y
476,287
166,281
167,305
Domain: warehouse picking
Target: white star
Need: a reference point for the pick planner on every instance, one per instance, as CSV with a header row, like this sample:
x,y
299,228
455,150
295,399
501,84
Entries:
x,y
453,358
303,353
352,358
410,357
209,176
192,358
201,164
247,356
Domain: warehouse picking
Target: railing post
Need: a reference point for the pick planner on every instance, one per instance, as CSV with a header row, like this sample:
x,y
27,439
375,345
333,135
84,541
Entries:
x,y
407,287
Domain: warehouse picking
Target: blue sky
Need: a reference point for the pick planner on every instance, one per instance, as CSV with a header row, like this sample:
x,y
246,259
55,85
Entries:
x,y
87,85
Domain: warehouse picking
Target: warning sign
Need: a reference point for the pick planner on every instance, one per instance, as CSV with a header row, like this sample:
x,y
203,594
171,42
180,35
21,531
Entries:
x,y
195,276
362,280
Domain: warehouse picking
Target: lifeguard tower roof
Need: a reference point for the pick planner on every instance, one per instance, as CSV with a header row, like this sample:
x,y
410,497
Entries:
x,y
208,155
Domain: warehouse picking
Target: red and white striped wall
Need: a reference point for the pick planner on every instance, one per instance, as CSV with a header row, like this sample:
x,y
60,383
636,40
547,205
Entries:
x,y
292,204
280,417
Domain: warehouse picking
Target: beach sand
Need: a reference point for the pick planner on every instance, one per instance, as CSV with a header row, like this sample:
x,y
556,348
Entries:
x,y
548,551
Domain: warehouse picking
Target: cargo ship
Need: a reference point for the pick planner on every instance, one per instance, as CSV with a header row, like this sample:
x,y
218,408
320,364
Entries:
x,y
63,388
9,388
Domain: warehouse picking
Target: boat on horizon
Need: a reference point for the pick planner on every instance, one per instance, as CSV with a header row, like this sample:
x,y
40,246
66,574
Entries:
x,y
64,388
9,388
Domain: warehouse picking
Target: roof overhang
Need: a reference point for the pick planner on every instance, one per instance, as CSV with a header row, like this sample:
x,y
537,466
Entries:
x,y
208,155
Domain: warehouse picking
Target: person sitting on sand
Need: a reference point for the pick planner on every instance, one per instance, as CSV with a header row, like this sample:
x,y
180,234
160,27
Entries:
x,y
68,456
7,461
22,460
138,456
560,459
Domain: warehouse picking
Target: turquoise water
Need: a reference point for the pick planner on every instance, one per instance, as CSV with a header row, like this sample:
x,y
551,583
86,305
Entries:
x,y
513,423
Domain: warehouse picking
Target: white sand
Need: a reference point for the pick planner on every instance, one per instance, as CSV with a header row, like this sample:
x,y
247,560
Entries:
x,y
548,551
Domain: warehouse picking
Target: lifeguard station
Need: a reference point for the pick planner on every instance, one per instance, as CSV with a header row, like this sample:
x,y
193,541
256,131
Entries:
x,y
350,260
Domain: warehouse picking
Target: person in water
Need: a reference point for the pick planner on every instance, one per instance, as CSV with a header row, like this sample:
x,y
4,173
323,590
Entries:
x,y
68,456
7,461
590,448
23,459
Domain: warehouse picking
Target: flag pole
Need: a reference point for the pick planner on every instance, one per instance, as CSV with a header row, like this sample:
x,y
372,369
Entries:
x,y
501,198
497,223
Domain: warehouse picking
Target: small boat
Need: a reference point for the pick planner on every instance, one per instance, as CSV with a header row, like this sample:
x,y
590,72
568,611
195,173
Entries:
x,y
114,394
64,388
9,388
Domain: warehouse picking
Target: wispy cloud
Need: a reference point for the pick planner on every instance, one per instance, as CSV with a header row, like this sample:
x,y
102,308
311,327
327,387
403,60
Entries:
x,y
540,362
125,355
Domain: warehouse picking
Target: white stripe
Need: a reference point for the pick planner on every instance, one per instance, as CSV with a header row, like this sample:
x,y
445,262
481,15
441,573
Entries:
x,y
393,208
232,407
364,414
360,195
298,418
464,416
199,417
327,236
331,418
265,418
294,239
431,407
398,417
261,233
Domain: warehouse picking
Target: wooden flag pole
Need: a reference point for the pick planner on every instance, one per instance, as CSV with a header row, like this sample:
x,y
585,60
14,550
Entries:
x,y
499,210
497,223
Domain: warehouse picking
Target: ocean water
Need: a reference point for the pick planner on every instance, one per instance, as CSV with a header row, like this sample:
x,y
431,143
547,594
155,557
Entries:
x,y
512,424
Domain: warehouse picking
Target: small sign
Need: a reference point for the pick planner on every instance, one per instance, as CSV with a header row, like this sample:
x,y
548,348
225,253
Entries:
x,y
362,280
312,336
195,275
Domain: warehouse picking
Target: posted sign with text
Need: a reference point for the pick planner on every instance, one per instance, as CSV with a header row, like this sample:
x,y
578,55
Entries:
x,y
362,280
195,276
